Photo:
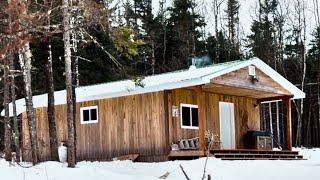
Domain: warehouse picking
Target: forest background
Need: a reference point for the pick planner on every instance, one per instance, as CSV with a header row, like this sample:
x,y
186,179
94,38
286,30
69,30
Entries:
x,y
119,39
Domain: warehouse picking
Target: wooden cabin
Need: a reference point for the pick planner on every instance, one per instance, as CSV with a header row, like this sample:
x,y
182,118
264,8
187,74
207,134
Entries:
x,y
120,118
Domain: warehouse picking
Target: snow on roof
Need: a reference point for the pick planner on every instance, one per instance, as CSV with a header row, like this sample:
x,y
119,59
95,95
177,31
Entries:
x,y
166,81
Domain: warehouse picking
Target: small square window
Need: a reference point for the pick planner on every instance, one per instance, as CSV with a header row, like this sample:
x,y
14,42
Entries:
x,y
86,116
89,114
194,115
186,116
189,116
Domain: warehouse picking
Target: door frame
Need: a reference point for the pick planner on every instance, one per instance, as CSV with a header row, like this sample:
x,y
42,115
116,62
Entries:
x,y
232,129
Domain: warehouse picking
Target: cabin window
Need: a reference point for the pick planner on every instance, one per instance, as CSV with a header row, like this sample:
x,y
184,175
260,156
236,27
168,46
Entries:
x,y
89,114
189,116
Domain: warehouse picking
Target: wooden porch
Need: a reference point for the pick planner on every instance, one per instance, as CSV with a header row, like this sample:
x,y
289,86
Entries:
x,y
238,154
245,95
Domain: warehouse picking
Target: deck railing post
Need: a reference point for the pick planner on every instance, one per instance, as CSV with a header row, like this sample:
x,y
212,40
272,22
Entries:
x,y
287,102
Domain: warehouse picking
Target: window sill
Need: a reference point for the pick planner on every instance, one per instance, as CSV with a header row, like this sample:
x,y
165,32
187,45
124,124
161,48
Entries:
x,y
189,127
89,122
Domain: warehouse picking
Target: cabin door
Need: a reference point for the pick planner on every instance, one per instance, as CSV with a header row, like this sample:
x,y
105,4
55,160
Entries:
x,y
227,130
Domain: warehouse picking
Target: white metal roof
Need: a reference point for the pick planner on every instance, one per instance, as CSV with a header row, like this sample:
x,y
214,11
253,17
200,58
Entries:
x,y
166,81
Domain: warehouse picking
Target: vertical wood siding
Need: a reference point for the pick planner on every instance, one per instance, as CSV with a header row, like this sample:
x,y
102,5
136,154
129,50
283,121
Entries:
x,y
131,124
247,116
140,124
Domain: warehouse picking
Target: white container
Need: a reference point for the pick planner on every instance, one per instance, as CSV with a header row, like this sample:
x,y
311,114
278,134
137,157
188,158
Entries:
x,y
62,152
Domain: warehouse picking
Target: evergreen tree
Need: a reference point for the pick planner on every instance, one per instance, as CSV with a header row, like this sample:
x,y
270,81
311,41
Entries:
x,y
262,37
312,131
182,32
220,44
146,62
233,25
314,56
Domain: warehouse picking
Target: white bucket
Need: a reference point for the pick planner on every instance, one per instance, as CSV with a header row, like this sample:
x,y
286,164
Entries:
x,y
62,152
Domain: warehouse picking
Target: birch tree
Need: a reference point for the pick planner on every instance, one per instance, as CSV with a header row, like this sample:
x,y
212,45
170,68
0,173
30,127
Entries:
x,y
18,36
25,65
68,74
299,30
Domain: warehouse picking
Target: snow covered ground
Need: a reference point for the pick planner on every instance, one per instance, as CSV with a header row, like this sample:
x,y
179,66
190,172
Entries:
x,y
219,170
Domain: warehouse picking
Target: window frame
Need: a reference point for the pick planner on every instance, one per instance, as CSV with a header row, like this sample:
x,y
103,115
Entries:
x,y
181,120
89,108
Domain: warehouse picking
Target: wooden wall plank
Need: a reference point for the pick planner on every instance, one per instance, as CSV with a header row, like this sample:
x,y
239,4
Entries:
x,y
247,116
201,117
241,79
138,124
132,124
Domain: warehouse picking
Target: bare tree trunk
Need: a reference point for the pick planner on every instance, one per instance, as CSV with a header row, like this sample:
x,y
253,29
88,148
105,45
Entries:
x,y
304,72
283,133
75,80
50,91
300,8
281,19
68,74
278,129
318,121
193,48
299,116
304,67
153,58
270,116
264,117
16,133
316,12
6,93
25,64
307,137
51,108
216,8
7,126
162,11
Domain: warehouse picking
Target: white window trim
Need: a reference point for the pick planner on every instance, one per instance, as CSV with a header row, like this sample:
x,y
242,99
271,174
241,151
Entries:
x,y
88,108
190,106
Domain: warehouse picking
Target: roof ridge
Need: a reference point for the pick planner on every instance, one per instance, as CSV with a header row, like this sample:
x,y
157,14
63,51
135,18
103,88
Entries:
x,y
171,72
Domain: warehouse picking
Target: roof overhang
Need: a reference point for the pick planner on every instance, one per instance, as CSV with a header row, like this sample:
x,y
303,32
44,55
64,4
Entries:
x,y
296,92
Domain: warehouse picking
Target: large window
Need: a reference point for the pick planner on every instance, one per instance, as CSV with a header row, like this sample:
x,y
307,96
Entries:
x,y
89,114
189,116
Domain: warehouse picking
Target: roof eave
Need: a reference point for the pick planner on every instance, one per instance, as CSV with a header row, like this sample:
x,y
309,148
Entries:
x,y
142,90
296,92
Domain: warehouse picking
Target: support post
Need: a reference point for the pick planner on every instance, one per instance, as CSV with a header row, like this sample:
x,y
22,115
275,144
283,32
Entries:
x,y
168,116
287,101
201,116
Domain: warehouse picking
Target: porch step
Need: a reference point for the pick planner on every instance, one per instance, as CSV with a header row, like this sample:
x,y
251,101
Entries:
x,y
247,154
253,155
252,151
238,154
